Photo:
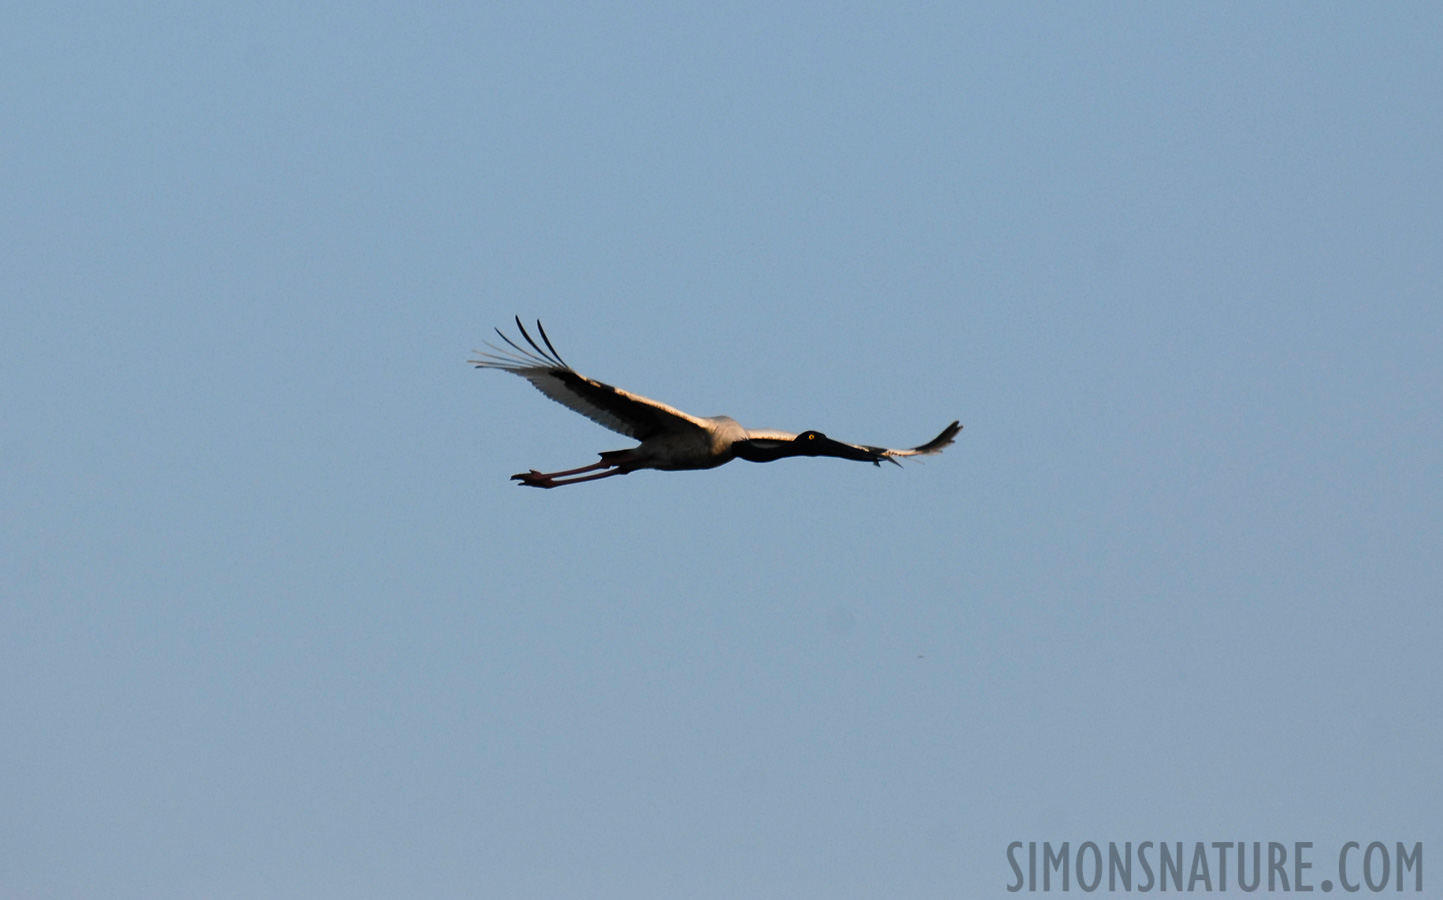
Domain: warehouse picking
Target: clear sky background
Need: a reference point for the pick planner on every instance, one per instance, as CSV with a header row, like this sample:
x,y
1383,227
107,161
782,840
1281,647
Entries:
x,y
275,623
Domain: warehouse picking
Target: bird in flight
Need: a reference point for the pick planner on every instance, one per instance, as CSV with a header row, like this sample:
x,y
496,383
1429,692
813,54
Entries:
x,y
670,439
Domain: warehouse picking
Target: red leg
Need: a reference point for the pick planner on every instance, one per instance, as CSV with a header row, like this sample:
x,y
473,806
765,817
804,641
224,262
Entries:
x,y
548,479
533,474
543,481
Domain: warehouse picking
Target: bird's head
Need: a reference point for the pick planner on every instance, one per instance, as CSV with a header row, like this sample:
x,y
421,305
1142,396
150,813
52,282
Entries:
x,y
814,443
808,443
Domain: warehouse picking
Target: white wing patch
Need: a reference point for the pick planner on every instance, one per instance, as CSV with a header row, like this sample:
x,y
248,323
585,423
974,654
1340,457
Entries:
x,y
548,382
610,407
769,434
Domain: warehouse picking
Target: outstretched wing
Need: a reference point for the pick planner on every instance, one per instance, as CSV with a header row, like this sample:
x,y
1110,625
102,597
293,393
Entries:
x,y
622,411
931,448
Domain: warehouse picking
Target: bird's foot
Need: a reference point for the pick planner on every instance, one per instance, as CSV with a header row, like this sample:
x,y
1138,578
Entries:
x,y
534,479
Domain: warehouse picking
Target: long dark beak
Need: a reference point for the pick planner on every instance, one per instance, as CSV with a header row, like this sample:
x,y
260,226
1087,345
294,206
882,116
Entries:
x,y
825,446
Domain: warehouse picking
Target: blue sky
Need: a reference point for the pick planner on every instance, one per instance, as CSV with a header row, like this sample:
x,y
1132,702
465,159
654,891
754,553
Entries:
x,y
274,623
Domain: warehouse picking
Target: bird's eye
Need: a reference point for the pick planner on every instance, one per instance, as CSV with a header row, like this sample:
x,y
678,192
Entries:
x,y
811,436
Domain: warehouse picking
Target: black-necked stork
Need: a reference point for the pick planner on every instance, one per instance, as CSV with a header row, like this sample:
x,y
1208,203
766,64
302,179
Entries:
x,y
670,439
